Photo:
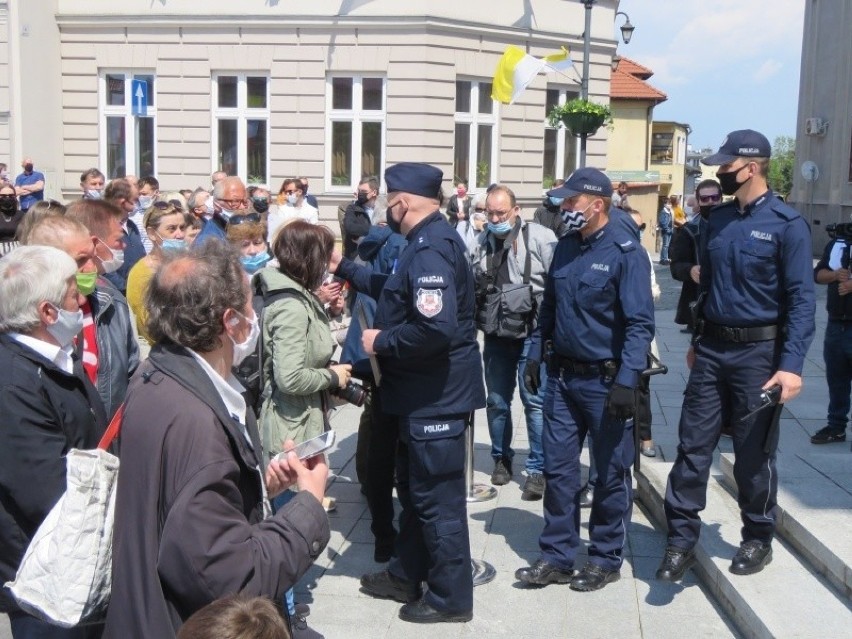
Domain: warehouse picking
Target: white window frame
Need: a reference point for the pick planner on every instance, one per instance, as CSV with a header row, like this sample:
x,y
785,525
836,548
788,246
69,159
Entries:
x,y
474,119
357,115
126,111
242,114
562,134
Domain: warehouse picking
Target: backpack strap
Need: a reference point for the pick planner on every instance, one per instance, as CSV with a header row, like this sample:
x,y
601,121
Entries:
x,y
525,234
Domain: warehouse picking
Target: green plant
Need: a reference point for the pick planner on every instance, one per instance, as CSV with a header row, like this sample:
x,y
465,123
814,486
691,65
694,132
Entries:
x,y
483,173
781,164
579,105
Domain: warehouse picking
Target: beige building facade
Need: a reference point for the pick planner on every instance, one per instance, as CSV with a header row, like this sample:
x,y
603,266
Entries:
x,y
328,89
822,177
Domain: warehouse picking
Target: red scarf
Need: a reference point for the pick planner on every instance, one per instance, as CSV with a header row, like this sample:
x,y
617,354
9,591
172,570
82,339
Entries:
x,y
90,344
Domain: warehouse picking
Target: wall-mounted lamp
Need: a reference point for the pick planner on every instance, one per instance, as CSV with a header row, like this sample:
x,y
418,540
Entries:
x,y
627,28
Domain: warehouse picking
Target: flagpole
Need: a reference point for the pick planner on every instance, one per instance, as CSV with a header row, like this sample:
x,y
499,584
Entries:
x,y
584,81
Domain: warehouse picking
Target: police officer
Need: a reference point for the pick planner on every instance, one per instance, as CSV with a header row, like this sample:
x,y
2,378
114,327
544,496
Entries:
x,y
833,270
598,312
756,321
425,341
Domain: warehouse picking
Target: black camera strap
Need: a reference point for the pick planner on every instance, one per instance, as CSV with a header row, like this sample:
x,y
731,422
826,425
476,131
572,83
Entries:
x,y
491,268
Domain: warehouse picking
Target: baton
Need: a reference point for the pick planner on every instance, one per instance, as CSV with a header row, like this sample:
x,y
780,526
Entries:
x,y
656,368
769,397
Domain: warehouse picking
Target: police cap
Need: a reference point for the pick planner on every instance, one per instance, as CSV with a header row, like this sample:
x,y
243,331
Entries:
x,y
586,180
416,178
744,143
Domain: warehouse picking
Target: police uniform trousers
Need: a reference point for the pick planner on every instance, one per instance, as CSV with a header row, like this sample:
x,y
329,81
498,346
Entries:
x,y
433,544
574,407
724,385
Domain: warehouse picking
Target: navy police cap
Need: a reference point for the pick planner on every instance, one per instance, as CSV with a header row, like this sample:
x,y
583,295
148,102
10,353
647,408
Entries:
x,y
416,178
586,180
744,143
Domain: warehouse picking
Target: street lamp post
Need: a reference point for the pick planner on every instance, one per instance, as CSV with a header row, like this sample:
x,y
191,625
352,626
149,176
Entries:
x,y
626,34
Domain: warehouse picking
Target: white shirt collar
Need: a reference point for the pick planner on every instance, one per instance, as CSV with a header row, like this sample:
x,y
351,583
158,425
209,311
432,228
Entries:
x,y
230,390
51,352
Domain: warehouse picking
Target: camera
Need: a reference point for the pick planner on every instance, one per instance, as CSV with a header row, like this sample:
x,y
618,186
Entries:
x,y
352,393
842,230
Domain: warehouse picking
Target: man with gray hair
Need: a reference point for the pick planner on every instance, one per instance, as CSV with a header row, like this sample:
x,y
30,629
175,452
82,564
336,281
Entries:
x,y
229,199
47,406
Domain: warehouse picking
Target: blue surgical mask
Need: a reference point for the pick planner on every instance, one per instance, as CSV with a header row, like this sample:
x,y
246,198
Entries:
x,y
503,228
253,263
555,201
145,202
92,194
173,245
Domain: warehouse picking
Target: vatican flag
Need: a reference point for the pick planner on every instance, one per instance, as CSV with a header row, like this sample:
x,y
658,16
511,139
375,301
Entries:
x,y
516,69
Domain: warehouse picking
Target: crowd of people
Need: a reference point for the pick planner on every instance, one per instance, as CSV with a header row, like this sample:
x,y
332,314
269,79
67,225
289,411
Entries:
x,y
207,314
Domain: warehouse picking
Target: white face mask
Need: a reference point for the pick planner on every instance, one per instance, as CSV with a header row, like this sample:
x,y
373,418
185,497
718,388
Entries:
x,y
92,194
115,263
246,348
67,326
209,209
145,202
292,199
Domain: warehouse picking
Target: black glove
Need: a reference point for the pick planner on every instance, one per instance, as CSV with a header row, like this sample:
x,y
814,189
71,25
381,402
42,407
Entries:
x,y
621,402
532,376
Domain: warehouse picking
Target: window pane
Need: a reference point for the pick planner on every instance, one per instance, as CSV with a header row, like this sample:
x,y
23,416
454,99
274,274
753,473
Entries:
x,y
371,148
341,153
461,153
462,96
116,145
341,93
256,149
226,154
145,147
483,156
551,99
115,90
256,88
372,88
149,80
570,154
227,92
549,174
486,104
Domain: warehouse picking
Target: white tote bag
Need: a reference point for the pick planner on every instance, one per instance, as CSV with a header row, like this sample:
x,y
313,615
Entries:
x,y
65,576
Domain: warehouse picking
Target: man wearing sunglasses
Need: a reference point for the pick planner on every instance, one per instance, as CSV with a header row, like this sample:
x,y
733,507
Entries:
x,y
229,199
684,251
755,324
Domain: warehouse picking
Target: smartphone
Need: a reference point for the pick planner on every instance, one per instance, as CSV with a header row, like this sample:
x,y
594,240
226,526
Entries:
x,y
311,447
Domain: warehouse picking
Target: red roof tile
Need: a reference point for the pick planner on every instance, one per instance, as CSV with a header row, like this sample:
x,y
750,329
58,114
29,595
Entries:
x,y
634,68
624,86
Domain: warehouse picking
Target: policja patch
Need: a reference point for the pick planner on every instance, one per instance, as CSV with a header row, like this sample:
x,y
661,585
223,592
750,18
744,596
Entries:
x,y
430,301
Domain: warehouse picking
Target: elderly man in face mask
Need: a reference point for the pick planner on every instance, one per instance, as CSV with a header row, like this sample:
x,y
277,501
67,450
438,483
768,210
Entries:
x,y
48,405
511,262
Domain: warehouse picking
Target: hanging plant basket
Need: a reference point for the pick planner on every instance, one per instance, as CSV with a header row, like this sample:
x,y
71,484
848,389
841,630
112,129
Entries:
x,y
580,117
583,123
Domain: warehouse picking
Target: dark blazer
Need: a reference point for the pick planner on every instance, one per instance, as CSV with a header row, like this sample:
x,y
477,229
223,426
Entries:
x,y
356,224
684,255
189,522
44,412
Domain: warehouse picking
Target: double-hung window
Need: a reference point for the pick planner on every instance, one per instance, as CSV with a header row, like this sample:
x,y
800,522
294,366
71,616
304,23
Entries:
x,y
240,136
560,147
127,124
475,149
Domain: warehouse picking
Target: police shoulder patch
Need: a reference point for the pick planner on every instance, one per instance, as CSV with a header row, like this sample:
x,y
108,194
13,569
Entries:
x,y
626,246
430,301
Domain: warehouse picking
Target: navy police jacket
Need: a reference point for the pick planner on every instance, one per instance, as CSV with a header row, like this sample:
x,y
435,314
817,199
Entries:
x,y
427,349
757,270
597,302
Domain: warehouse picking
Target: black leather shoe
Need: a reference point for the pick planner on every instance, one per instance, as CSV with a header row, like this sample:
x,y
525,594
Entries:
x,y
593,577
542,573
752,557
828,435
386,586
421,612
533,488
586,497
675,563
502,474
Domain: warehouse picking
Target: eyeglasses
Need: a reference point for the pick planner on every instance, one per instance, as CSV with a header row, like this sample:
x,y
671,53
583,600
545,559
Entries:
x,y
162,206
291,191
235,204
710,198
11,196
480,209
244,219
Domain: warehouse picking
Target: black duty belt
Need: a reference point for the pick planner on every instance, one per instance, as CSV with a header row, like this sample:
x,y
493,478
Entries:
x,y
607,367
738,333
843,319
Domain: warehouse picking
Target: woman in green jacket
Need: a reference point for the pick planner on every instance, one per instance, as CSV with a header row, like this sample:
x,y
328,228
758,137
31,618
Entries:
x,y
297,341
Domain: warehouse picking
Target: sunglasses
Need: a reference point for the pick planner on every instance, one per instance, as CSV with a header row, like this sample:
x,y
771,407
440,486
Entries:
x,y
240,219
710,198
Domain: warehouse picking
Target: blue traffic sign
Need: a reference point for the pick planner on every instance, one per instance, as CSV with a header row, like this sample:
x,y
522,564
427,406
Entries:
x,y
139,95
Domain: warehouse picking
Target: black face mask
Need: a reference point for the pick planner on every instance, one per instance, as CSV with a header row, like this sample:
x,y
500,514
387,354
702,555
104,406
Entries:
x,y
8,205
728,181
362,198
393,225
705,210
28,168
260,204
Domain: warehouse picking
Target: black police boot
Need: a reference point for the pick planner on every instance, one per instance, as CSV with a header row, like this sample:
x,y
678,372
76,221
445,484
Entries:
x,y
502,474
752,557
421,612
675,563
828,435
384,585
586,497
542,573
593,577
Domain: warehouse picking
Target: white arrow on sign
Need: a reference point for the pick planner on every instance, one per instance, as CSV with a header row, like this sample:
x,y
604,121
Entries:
x,y
139,95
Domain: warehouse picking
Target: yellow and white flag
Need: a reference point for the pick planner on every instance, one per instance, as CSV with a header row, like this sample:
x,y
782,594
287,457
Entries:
x,y
516,69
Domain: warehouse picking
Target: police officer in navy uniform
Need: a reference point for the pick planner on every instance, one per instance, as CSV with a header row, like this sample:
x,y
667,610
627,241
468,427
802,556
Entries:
x,y
598,313
756,321
425,340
